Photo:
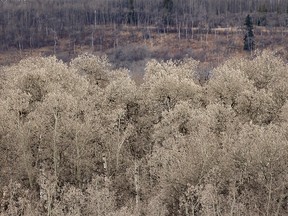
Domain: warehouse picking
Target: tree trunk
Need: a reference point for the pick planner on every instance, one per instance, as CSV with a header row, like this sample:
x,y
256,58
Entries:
x,y
55,150
104,158
137,187
78,169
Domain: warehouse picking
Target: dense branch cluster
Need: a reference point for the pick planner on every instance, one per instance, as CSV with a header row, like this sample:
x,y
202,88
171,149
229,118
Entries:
x,y
84,139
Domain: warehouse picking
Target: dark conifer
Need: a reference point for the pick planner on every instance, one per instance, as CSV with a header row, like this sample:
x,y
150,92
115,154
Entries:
x,y
249,43
168,9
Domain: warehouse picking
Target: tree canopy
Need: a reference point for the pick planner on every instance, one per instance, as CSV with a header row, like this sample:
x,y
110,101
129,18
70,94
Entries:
x,y
84,139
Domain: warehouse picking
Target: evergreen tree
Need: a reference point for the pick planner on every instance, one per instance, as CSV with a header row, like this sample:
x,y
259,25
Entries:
x,y
249,43
132,18
167,13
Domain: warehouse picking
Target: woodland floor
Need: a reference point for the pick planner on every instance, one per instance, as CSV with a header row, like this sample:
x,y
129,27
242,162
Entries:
x,y
210,47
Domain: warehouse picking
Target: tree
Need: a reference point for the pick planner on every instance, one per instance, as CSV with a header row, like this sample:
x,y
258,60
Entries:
x,y
132,18
167,13
249,43
84,139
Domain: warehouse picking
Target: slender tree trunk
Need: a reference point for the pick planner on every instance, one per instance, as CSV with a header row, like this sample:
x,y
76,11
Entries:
x,y
192,31
55,42
20,48
26,159
137,187
74,47
49,203
23,143
78,169
207,32
105,167
92,40
179,32
186,31
55,150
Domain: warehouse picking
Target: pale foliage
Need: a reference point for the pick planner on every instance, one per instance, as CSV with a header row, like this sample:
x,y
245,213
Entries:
x,y
101,201
166,83
256,89
16,200
257,106
121,90
227,84
83,139
258,156
72,202
95,68
156,207
41,75
266,71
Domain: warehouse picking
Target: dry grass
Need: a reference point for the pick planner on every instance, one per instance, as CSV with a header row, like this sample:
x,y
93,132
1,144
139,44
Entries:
x,y
214,47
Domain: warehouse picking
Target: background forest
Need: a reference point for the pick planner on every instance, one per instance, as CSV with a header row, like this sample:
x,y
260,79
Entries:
x,y
35,23
84,139
131,32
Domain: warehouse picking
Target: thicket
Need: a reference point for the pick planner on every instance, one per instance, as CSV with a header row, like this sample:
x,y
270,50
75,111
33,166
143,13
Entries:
x,y
84,139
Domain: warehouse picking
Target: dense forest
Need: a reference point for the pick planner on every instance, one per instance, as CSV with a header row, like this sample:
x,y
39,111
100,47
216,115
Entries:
x,y
202,131
35,23
81,138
